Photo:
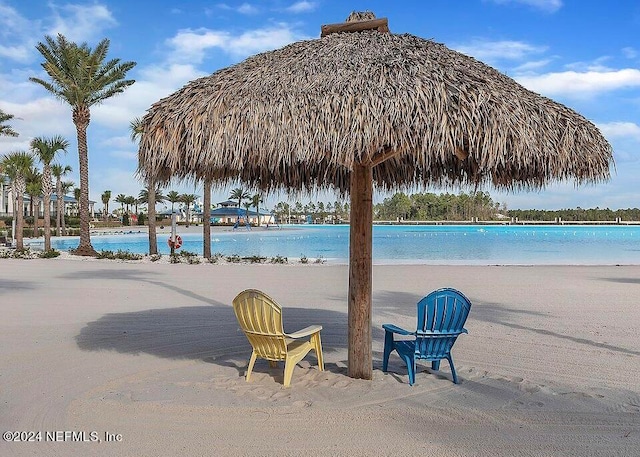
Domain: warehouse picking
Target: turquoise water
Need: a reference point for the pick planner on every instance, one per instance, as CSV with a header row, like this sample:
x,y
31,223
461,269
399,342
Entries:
x,y
442,244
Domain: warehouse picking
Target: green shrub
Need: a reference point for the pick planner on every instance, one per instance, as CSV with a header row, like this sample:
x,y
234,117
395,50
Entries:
x,y
119,255
233,258
50,254
155,257
304,259
319,259
279,259
16,253
215,258
254,259
125,219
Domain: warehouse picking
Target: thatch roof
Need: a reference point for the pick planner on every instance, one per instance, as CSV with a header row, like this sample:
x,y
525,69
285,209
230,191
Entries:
x,y
301,116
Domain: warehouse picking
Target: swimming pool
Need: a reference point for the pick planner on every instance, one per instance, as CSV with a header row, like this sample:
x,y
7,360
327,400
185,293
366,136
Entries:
x,y
431,244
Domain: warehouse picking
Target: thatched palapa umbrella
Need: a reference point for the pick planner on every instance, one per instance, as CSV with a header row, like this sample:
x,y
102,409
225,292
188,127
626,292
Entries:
x,y
364,108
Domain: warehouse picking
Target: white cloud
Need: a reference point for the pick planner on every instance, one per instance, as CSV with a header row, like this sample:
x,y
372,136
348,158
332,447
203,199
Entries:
x,y
44,116
247,8
499,50
302,7
17,35
531,66
550,6
191,45
581,84
80,22
152,84
620,130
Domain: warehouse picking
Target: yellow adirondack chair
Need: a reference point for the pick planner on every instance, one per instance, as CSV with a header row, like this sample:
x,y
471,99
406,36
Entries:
x,y
260,318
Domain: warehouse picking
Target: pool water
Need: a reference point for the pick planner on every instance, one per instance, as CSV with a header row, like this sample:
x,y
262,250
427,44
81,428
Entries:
x,y
432,244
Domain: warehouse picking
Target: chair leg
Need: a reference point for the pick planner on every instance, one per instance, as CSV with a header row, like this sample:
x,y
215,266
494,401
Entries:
x,y
289,365
273,364
435,365
317,345
411,368
453,370
252,361
388,348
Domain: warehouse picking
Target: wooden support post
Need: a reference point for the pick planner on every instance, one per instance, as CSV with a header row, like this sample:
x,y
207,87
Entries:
x,y
360,363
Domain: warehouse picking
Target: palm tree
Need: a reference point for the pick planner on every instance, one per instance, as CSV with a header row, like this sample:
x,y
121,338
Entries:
x,y
45,150
247,205
256,199
206,220
144,196
121,198
16,165
6,130
59,171
152,198
81,77
173,197
187,199
33,188
240,194
129,200
105,197
66,188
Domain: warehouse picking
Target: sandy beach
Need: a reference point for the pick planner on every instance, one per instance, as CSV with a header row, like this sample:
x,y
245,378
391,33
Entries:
x,y
147,359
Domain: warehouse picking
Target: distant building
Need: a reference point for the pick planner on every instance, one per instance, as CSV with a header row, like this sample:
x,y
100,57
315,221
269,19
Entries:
x,y
7,202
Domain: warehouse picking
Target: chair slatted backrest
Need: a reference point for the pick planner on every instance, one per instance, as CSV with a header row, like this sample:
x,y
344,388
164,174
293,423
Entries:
x,y
442,311
260,318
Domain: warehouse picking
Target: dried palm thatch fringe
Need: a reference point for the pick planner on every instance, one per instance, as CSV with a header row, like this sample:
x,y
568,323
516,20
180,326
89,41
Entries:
x,y
300,117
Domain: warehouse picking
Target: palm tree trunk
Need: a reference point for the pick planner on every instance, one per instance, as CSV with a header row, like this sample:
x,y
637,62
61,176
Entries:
x,y
206,220
59,198
19,188
63,222
81,118
151,203
46,192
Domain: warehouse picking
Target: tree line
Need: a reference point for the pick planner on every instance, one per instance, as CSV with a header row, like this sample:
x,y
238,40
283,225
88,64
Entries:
x,y
437,207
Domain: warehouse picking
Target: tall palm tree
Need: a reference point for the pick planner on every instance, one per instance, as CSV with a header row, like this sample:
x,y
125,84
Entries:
x,y
59,171
45,150
144,196
135,127
188,199
173,197
129,200
67,186
256,199
206,220
240,194
16,165
121,198
82,77
105,197
6,130
33,188
247,205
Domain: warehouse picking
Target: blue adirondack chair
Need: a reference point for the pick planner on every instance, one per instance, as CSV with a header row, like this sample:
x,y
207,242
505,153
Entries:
x,y
441,317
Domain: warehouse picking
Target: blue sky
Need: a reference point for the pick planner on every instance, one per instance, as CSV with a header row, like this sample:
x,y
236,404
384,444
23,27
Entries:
x,y
585,54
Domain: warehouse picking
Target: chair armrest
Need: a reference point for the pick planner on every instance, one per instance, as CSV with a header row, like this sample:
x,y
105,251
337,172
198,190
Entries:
x,y
394,329
307,331
438,333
